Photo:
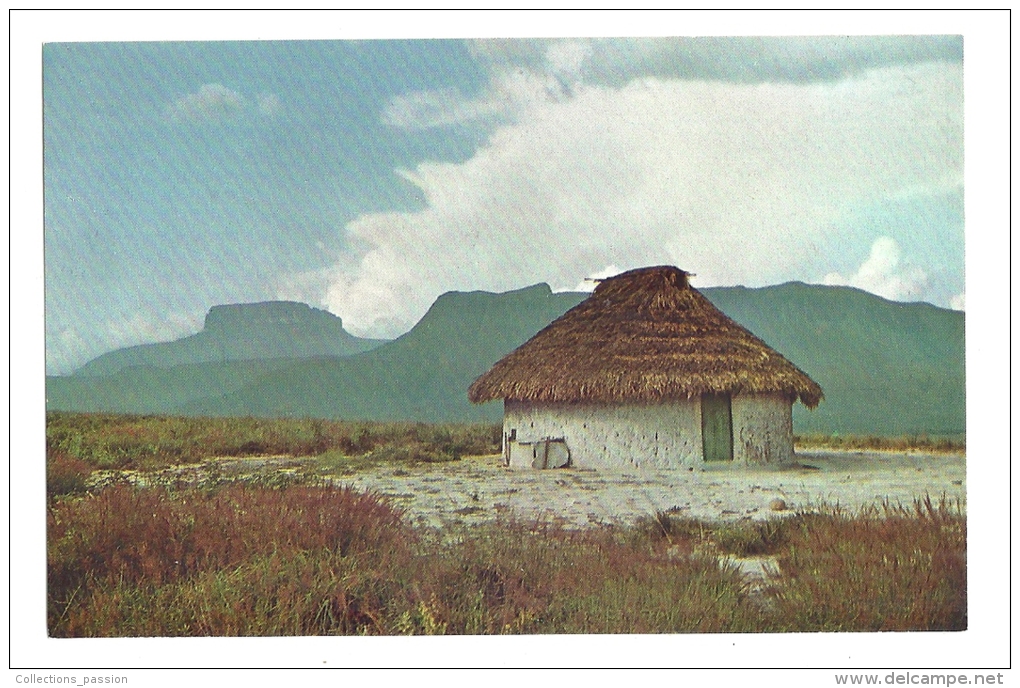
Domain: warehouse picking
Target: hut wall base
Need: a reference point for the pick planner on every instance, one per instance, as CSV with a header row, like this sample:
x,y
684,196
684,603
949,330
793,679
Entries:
x,y
610,437
648,436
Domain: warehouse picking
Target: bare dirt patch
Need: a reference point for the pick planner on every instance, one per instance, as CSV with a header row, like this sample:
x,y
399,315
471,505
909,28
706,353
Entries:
x,y
480,488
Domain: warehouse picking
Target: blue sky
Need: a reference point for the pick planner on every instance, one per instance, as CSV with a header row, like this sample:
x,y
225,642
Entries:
x,y
370,176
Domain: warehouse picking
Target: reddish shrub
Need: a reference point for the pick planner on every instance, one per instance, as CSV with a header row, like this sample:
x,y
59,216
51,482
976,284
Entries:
x,y
65,474
903,571
155,536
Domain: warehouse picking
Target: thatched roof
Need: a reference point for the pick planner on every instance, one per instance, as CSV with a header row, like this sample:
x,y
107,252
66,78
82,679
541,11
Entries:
x,y
644,335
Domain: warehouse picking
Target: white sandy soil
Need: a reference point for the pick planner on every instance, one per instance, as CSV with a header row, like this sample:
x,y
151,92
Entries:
x,y
479,488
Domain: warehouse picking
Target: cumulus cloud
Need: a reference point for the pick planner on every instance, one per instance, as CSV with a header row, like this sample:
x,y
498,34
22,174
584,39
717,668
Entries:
x,y
591,281
739,183
210,102
885,274
959,302
510,91
566,58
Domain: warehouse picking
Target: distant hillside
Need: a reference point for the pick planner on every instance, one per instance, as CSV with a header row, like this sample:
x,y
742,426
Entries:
x,y
422,375
149,389
886,368
243,332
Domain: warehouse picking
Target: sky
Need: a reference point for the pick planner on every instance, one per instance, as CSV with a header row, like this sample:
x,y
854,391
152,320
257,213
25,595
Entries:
x,y
368,177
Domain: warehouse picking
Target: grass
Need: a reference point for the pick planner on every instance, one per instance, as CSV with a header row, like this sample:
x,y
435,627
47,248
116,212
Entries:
x,y
884,568
239,559
304,560
126,543
287,553
112,441
924,443
881,570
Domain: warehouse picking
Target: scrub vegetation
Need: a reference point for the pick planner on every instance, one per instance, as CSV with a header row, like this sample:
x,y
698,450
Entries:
x,y
926,443
113,441
79,442
289,553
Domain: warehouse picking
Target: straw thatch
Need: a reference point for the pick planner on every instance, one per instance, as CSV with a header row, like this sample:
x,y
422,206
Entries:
x,y
644,335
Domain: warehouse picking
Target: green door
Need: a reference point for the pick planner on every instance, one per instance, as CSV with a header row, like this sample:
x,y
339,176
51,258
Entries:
x,y
717,427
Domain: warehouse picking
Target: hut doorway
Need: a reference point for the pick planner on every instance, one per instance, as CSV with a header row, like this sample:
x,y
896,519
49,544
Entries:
x,y
717,427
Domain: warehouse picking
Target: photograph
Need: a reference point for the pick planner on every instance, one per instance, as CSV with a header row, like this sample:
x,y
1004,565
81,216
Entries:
x,y
510,338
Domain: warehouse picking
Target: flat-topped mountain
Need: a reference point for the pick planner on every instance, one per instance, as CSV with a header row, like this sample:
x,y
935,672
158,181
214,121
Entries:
x,y
243,332
422,375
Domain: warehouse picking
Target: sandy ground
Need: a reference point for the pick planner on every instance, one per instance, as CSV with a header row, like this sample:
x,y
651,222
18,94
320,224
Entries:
x,y
480,488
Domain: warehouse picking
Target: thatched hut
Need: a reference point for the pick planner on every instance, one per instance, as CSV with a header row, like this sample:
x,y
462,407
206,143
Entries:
x,y
645,372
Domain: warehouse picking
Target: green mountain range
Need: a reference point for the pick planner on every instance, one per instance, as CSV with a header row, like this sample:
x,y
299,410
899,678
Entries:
x,y
887,368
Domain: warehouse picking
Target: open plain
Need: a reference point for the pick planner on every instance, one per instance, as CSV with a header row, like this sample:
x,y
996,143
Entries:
x,y
480,488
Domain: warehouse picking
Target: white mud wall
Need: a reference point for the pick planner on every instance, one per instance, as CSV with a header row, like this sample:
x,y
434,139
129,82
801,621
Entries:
x,y
662,435
762,429
666,435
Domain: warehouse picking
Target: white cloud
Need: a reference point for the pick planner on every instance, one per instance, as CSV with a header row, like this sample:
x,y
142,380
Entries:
x,y
591,281
269,104
959,302
65,351
566,58
143,329
217,103
211,102
739,183
437,108
509,92
884,274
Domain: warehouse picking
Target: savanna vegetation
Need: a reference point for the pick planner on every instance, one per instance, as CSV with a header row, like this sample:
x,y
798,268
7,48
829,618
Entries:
x,y
114,441
289,553
923,443
151,442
